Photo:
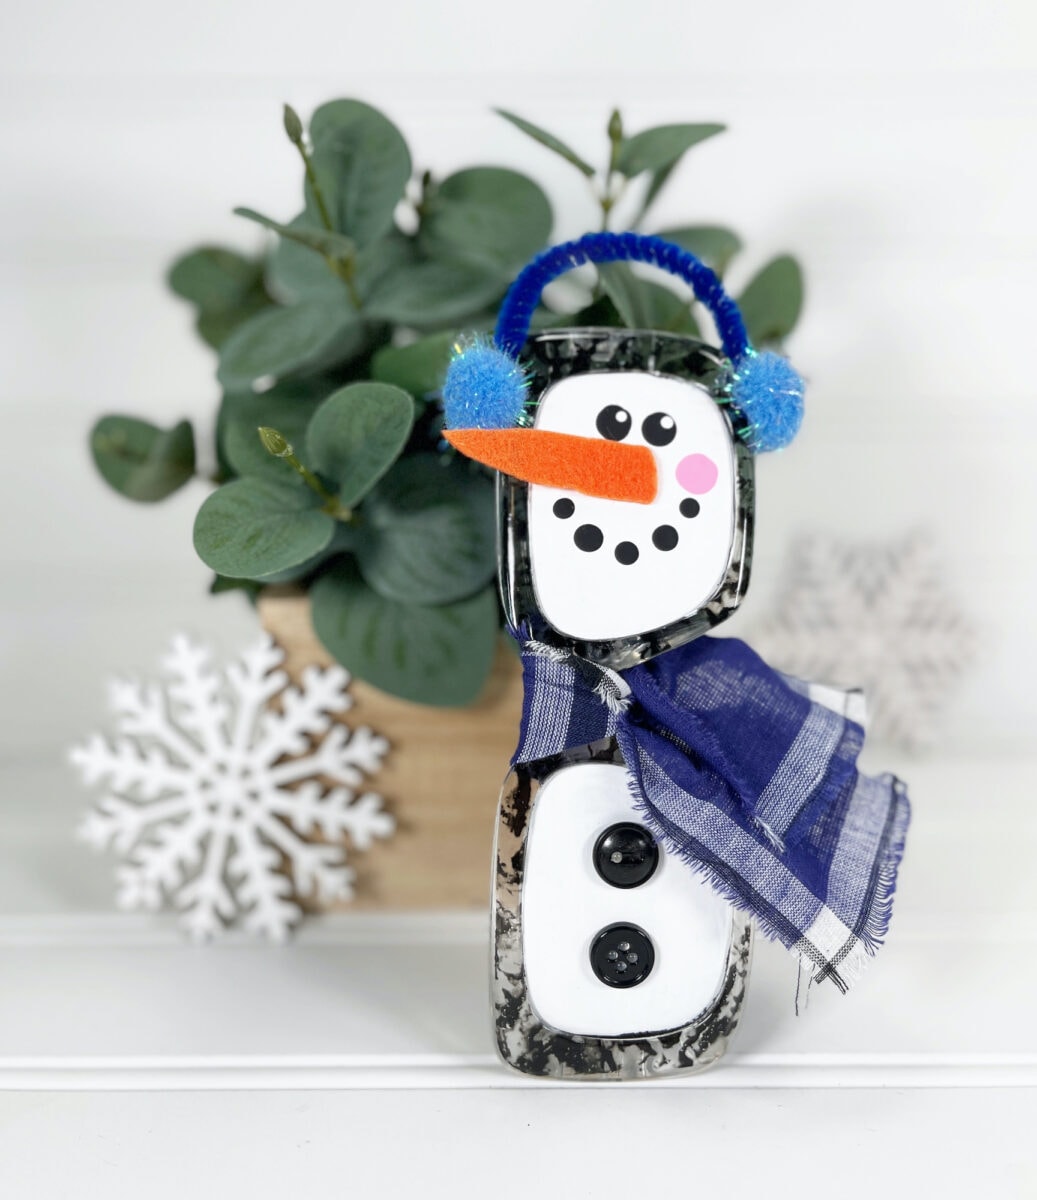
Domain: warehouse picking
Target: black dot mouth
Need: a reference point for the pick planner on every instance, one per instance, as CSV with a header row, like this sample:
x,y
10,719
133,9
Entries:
x,y
588,538
665,537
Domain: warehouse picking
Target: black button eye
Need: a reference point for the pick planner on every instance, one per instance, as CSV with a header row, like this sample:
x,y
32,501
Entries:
x,y
659,429
613,423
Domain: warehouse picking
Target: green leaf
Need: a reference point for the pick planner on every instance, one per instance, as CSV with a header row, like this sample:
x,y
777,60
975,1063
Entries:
x,y
643,304
357,434
362,165
772,301
280,341
655,149
431,294
438,655
342,541
221,584
214,279
429,531
391,253
252,528
295,273
714,244
288,406
547,139
320,241
141,460
225,288
418,368
600,312
215,328
657,180
487,216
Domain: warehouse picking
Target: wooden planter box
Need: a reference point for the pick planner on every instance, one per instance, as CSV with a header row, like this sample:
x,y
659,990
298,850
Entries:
x,y
441,778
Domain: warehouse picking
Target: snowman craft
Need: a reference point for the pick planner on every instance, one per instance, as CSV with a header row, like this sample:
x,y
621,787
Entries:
x,y
669,791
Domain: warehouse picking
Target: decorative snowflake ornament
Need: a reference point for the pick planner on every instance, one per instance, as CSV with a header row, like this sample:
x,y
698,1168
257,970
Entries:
x,y
214,795
877,616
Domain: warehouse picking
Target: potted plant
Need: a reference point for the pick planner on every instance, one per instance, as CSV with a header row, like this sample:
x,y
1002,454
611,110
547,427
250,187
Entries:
x,y
337,506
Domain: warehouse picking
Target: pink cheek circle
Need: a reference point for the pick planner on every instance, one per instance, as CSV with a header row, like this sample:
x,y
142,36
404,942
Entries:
x,y
697,474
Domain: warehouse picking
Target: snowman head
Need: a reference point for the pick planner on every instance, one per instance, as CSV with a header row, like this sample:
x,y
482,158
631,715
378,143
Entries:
x,y
606,569
626,465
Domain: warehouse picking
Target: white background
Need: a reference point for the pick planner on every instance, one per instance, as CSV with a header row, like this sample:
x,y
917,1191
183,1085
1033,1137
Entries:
x,y
890,146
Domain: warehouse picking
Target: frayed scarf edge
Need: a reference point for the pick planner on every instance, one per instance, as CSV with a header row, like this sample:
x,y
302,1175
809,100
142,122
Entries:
x,y
867,940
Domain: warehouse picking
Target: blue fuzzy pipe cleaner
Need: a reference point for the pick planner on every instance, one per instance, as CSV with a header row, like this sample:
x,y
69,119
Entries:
x,y
486,386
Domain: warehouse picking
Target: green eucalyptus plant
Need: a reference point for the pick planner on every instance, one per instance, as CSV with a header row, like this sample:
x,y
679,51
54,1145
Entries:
x,y
332,471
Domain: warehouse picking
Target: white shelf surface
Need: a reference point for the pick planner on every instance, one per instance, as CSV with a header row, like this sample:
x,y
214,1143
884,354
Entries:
x,y
383,1002
134,1063
106,1001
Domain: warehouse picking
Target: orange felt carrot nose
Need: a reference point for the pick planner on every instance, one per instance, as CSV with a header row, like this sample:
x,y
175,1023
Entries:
x,y
593,466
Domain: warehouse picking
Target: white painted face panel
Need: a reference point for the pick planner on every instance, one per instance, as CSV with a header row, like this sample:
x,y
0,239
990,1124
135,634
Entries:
x,y
605,568
565,903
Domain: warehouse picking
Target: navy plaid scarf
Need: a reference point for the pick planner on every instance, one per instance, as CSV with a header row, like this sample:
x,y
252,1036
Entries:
x,y
750,776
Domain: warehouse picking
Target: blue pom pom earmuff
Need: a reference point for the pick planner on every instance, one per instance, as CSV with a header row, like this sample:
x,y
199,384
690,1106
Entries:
x,y
486,385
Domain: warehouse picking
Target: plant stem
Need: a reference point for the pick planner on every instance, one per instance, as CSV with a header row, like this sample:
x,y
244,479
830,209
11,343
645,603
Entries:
x,y
331,503
341,267
345,270
278,445
311,175
607,199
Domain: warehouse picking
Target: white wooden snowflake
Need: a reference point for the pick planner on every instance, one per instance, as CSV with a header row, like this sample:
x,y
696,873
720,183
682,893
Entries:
x,y
214,794
871,615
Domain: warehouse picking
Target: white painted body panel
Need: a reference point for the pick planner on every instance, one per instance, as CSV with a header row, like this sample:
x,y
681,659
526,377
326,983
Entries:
x,y
565,903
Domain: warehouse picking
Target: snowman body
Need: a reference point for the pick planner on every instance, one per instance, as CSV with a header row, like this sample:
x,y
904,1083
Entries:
x,y
612,956
608,954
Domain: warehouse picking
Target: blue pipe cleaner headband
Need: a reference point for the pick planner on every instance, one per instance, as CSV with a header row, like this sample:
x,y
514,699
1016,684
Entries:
x,y
486,386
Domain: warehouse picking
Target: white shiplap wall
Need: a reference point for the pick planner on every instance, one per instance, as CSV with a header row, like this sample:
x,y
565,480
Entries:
x,y
889,146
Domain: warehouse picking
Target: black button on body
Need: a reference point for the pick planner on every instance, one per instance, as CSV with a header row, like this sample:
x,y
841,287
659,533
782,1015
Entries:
x,y
622,956
626,855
